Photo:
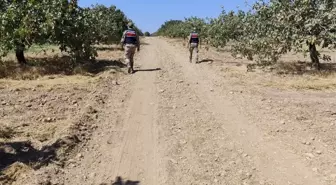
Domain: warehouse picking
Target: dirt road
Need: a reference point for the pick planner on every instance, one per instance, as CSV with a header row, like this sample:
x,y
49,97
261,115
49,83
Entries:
x,y
177,123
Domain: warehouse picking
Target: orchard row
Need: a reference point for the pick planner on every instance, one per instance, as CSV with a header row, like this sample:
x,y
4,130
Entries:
x,y
58,22
267,30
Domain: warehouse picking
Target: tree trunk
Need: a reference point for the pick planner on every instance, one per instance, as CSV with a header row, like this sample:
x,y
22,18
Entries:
x,y
314,56
20,54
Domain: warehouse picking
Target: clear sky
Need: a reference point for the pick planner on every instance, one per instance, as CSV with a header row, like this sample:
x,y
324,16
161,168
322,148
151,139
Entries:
x,y
148,15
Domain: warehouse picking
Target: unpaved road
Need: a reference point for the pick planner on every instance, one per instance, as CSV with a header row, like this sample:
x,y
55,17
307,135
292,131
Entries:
x,y
177,123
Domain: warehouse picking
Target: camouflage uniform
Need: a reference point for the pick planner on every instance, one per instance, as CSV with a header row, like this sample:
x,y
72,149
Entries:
x,y
130,41
193,43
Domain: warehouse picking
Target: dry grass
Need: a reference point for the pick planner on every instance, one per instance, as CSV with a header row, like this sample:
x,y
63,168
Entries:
x,y
6,132
313,80
48,82
14,172
57,63
37,67
305,82
284,75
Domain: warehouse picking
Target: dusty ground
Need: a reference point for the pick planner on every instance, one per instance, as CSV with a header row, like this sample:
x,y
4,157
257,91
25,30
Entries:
x,y
172,122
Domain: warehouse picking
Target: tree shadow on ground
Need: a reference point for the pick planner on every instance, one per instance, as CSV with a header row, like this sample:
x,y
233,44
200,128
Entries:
x,y
302,67
102,65
57,65
24,152
120,181
108,48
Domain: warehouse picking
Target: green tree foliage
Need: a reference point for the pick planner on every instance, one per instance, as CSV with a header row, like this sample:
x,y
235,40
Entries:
x,y
268,30
109,23
74,31
147,34
174,29
61,22
225,28
274,28
181,29
201,26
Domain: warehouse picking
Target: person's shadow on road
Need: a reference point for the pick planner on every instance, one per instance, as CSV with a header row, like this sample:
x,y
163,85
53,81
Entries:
x,y
205,60
148,70
120,181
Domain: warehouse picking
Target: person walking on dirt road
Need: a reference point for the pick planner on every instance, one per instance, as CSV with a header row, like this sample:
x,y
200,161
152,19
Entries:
x,y
193,43
130,42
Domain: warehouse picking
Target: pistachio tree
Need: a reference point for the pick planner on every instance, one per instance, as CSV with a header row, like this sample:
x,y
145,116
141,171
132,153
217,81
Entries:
x,y
276,27
59,22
